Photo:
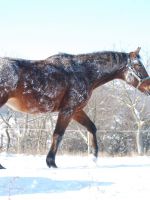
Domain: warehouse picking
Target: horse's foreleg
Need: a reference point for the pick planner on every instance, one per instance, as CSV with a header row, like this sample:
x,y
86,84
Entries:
x,y
84,120
60,128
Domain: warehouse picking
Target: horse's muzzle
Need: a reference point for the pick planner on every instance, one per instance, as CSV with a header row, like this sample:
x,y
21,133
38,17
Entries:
x,y
145,87
147,93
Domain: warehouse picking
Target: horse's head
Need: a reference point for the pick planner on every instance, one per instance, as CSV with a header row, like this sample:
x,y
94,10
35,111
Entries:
x,y
135,73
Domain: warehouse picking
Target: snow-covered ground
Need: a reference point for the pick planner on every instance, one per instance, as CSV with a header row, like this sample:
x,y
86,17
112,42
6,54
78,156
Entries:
x,y
28,177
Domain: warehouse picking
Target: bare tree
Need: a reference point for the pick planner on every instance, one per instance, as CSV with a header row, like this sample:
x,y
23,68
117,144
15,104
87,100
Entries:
x,y
137,106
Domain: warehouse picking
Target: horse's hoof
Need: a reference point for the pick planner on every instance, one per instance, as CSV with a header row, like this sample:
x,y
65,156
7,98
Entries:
x,y
92,158
1,167
51,163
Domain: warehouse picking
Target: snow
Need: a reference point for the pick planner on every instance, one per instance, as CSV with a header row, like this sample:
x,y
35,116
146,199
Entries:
x,y
118,178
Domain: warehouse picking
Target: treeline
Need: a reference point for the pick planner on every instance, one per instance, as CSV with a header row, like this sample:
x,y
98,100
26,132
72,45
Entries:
x,y
121,114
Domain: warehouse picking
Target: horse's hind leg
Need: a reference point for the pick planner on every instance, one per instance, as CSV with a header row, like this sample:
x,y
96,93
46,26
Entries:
x,y
3,100
84,120
1,167
61,125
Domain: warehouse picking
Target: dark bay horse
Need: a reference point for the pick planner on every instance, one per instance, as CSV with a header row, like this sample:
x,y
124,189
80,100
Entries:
x,y
64,83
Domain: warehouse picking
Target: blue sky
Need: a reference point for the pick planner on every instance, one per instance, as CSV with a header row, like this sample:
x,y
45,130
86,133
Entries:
x,y
35,29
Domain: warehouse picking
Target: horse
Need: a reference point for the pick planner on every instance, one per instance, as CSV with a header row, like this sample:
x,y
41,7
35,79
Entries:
x,y
64,83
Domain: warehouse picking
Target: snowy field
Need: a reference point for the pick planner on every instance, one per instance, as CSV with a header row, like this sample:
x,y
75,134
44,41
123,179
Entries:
x,y
28,177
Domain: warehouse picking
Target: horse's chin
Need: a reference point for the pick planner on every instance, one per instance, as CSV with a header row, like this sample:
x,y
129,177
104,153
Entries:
x,y
147,93
145,87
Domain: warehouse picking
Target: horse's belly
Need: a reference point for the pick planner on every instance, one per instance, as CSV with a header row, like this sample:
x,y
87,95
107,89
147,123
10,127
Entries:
x,y
32,106
16,105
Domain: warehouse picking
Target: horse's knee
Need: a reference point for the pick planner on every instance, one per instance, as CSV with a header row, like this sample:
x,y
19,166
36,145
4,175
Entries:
x,y
56,139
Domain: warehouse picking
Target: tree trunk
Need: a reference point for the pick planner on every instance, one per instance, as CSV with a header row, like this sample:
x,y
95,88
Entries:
x,y
8,139
88,143
139,141
1,146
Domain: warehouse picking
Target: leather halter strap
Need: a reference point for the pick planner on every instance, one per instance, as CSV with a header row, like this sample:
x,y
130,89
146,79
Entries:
x,y
130,66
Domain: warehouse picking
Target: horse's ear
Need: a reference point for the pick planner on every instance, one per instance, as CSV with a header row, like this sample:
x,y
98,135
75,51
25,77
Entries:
x,y
135,53
138,50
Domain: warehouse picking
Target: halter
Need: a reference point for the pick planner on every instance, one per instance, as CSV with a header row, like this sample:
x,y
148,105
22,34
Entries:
x,y
134,73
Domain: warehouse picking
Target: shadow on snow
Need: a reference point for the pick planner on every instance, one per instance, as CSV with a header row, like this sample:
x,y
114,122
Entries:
x,y
31,185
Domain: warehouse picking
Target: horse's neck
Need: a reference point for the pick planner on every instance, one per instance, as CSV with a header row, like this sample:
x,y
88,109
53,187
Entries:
x,y
108,67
